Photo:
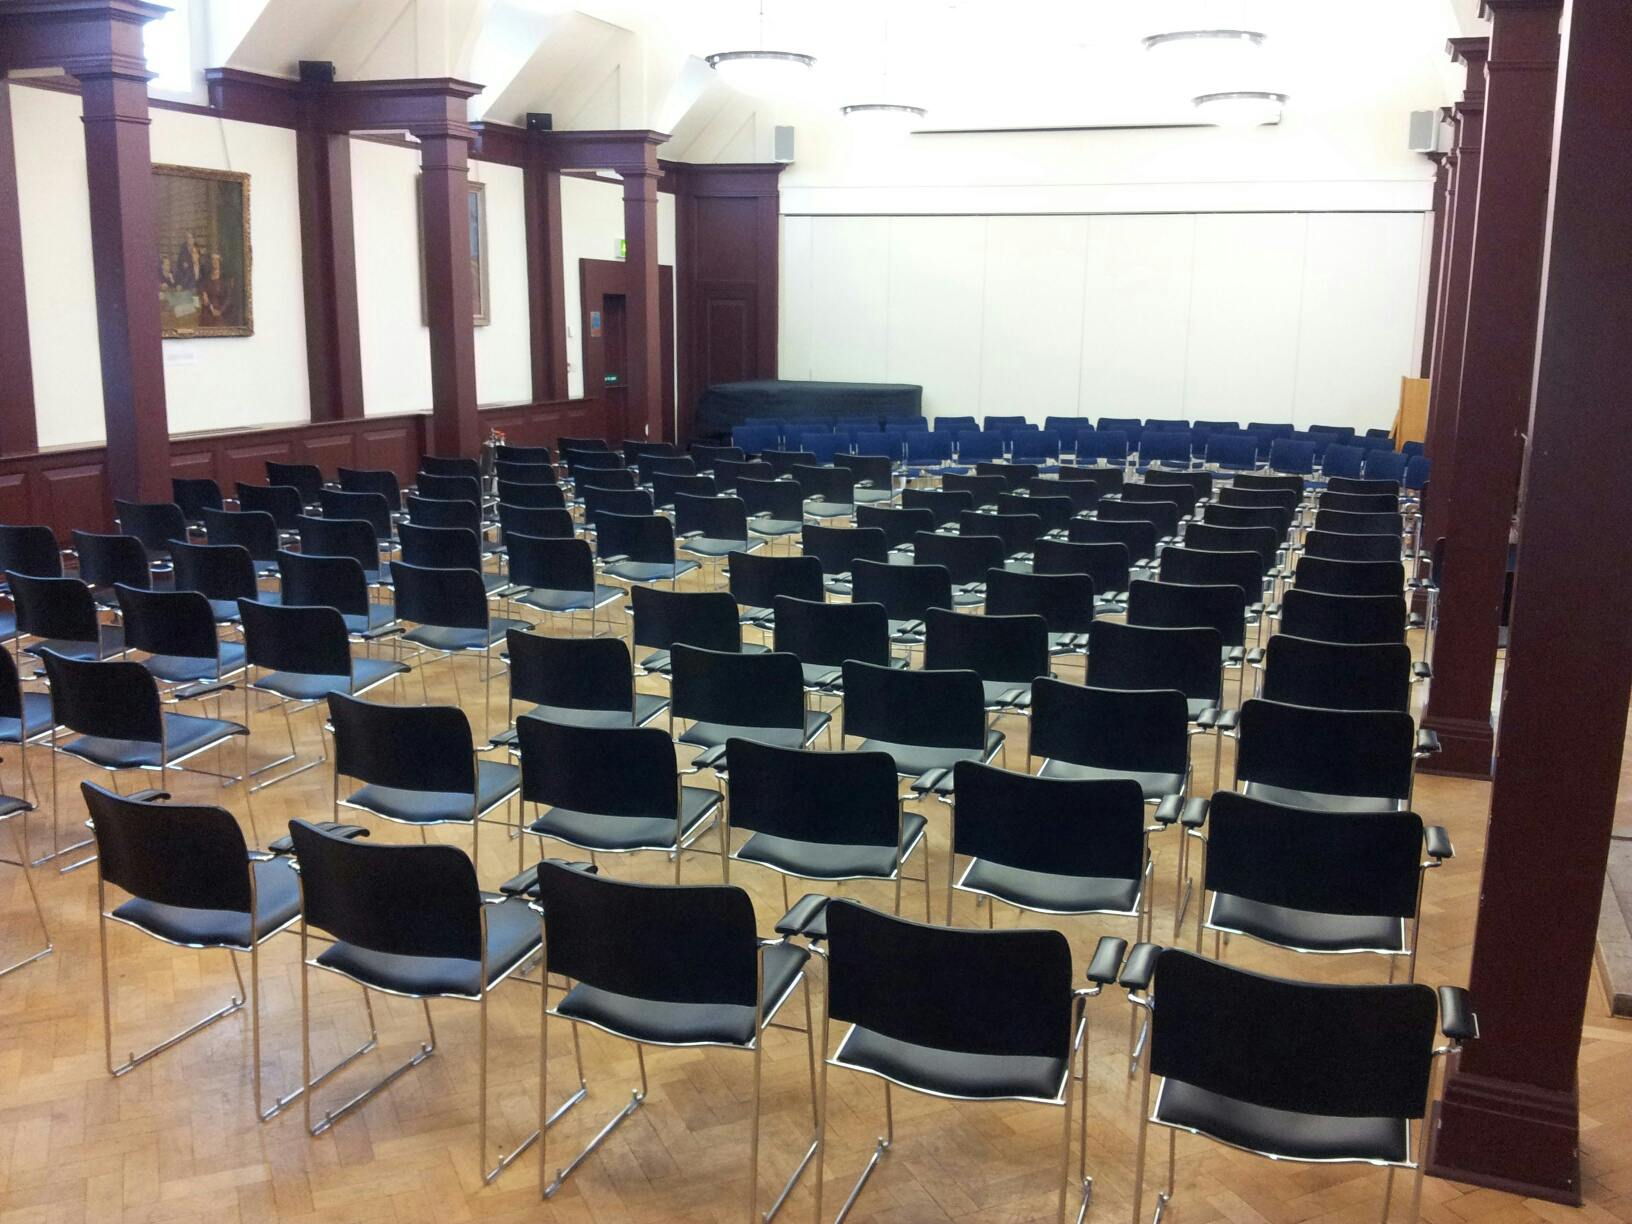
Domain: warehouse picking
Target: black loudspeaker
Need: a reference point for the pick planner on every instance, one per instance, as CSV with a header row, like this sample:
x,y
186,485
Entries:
x,y
317,72
540,121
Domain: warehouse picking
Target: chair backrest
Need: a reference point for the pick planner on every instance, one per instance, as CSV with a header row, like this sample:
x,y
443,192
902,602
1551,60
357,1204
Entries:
x,y
830,484
1343,618
255,531
1140,730
955,424
599,933
667,489
505,453
311,581
826,635
1384,465
1238,494
532,496
112,700
542,522
1350,577
966,558
718,518
784,461
1307,1048
627,502
1342,459
416,748
1139,657
444,598
1065,601
372,508
944,504
612,479
999,649
564,444
402,900
1261,482
636,449
1178,605
1275,518
307,478
1366,753
581,673
929,709
835,798
979,447
1200,484
60,608
643,538
178,623
107,559
664,618
1359,503
757,579
1162,515
776,499
192,857
155,524
1204,568
550,563
1233,450
1164,446
1106,565
30,550
438,466
617,771
1350,523
1137,536
756,439
1082,494
875,471
339,537
444,512
707,456
583,464
1288,455
1339,546
1337,675
1354,484
1075,827
1418,468
540,474
1019,532
1212,537
307,641
897,978
1053,513
743,690
898,523
984,489
284,502
906,592
217,571
1110,445
440,547
1013,475
381,481
195,494
839,548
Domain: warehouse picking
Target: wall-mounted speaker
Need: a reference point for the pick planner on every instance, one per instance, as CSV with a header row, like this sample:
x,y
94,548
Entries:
x,y
317,72
1425,132
782,144
540,121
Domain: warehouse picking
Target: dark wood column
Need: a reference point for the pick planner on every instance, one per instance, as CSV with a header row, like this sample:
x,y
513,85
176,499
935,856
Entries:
x,y
1498,358
445,195
546,277
642,305
1436,257
1509,1114
1468,120
17,428
328,254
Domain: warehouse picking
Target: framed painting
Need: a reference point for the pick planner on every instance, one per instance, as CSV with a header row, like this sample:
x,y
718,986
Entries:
x,y
482,315
204,256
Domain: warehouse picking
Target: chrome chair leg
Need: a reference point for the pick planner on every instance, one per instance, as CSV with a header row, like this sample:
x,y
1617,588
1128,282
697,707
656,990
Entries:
x,y
21,862
880,1149
636,1099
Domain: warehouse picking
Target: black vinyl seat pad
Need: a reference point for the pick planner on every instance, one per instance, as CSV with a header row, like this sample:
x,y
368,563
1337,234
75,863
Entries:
x,y
225,611
775,526
713,546
1314,1138
995,690
1048,893
188,669
110,643
37,719
813,860
307,686
185,735
277,902
1320,801
1307,930
513,934
379,616
708,735
620,834
947,1073
654,1022
660,662
550,599
914,760
496,781
647,707
449,640
650,571
1156,786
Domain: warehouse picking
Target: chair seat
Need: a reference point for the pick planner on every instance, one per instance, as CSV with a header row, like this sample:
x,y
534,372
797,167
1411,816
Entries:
x,y
1155,785
184,669
185,734
277,898
650,571
707,735
828,860
912,760
827,509
549,599
379,615
225,611
305,686
709,546
658,661
1279,1132
993,1077
600,831
1305,929
656,1022
1319,800
834,586
996,689
496,781
452,641
36,720
1049,893
874,496
647,707
775,527
512,935
1197,706
967,599
112,643
821,675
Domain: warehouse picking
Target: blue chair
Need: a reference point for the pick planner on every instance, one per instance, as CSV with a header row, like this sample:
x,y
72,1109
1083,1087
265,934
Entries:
x,y
1381,434
1236,452
1169,446
956,424
1272,429
1320,441
1166,425
877,443
1342,459
904,424
1036,446
979,447
994,423
1065,426
823,445
1385,465
1132,426
1202,431
927,451
1342,431
1292,457
1411,450
1417,470
1109,445
756,439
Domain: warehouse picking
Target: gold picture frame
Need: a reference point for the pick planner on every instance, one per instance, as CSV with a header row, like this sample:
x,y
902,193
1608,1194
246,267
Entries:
x,y
481,303
205,258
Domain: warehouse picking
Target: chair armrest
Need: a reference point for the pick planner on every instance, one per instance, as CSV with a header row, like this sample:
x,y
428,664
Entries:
x,y
286,843
1272,610
1437,841
690,535
375,635
203,688
1236,657
1427,742
913,626
1422,671
709,757
526,884
1191,813
936,780
503,739
1107,960
1413,620
1140,967
1456,1016
1255,657
807,917
614,558
148,796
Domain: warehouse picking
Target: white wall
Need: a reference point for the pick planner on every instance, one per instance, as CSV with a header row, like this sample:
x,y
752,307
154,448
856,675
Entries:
x,y
396,346
1276,317
504,367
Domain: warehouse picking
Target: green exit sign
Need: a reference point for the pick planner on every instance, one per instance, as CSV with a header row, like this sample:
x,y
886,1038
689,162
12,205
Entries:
x,y
621,248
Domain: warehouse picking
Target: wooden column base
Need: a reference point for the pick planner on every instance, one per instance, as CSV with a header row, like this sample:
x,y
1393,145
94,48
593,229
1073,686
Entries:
x,y
1467,746
1503,1136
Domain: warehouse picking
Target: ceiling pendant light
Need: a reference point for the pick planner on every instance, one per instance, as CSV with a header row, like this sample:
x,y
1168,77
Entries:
x,y
1240,108
882,120
763,72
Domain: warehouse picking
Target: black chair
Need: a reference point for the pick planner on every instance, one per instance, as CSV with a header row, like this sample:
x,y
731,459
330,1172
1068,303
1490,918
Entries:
x,y
1347,522
829,816
959,1015
906,592
823,636
1201,567
1338,546
712,527
448,548
1179,605
1328,760
418,765
756,580
1328,577
599,501
450,465
1344,618
775,508
1013,475
195,495
307,580
783,461
1105,565
284,502
30,550
727,472
1006,652
192,882
541,522
155,524
927,721
1162,515
1109,479
730,695
945,504
612,790
1262,483
636,449
176,630
1141,735
63,615
446,512
1317,882
1339,676
1266,542
223,573
304,654
1254,498
698,618
1358,503
1054,514
829,492
550,496
874,477
380,481
1124,656
1200,484
254,531
707,456
105,561
898,524
1137,536
372,508
409,921
506,453
307,478
723,988
985,490
1064,601
1276,518
586,682
449,612
557,576
25,718
839,548
354,538
1082,494
966,559
1295,1071
1019,532
638,549
15,728
437,487
1353,484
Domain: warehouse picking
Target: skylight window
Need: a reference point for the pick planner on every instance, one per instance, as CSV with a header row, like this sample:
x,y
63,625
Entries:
x,y
168,45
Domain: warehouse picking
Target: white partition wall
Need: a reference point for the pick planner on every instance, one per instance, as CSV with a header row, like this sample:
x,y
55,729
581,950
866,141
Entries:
x,y
1299,317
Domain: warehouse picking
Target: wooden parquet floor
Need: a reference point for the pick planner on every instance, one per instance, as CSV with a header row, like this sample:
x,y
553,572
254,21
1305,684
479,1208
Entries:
x,y
177,1138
